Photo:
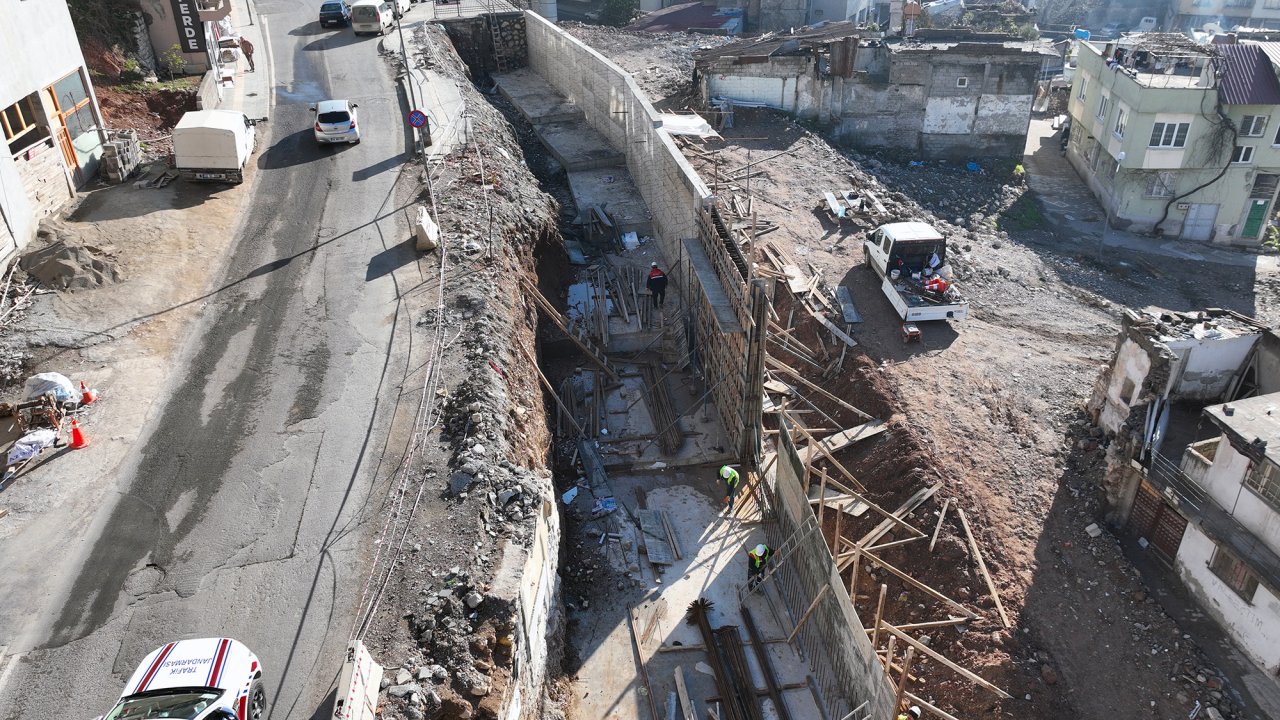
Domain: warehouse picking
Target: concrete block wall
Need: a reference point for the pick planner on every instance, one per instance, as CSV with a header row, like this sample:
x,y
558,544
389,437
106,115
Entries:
x,y
616,107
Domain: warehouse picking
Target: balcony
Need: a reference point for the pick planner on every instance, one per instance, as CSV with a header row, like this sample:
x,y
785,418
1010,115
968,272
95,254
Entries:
x,y
213,10
1193,503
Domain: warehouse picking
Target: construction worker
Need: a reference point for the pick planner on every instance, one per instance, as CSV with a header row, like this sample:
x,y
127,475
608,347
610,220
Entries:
x,y
731,482
757,561
657,285
912,713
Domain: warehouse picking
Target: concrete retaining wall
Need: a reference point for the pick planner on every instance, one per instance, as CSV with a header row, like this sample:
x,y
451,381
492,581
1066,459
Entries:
x,y
844,664
616,107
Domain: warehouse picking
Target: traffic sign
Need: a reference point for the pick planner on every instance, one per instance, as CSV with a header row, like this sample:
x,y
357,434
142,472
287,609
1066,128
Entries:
x,y
417,118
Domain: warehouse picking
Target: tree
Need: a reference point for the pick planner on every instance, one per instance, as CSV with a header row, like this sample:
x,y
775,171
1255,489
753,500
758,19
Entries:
x,y
173,61
619,12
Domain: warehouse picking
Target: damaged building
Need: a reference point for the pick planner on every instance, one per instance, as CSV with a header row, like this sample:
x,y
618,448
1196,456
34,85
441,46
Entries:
x,y
938,94
1193,404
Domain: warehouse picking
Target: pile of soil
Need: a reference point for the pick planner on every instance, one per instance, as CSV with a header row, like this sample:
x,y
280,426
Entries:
x,y
63,264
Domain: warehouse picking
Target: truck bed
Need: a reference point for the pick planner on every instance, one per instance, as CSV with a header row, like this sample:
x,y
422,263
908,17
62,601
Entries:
x,y
915,306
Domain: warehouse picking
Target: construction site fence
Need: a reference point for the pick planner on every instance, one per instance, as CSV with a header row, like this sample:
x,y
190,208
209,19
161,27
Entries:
x,y
850,679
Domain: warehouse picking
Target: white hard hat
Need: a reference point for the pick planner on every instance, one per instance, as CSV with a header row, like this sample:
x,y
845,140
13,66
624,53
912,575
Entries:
x,y
760,549
653,264
914,711
726,471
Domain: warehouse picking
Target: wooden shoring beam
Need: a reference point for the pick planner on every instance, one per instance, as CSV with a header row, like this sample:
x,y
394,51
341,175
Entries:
x,y
783,367
982,566
964,672
814,445
941,516
950,622
809,611
920,586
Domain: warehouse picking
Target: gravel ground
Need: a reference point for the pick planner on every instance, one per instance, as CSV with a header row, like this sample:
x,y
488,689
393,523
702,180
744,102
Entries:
x,y
991,406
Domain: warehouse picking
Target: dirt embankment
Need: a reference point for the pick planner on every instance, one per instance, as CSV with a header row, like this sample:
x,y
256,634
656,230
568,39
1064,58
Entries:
x,y
448,638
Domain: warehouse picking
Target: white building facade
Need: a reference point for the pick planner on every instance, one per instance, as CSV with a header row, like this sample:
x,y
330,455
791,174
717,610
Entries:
x,y
50,118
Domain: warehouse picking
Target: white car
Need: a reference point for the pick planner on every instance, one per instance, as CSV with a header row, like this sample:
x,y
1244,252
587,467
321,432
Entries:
x,y
336,122
205,679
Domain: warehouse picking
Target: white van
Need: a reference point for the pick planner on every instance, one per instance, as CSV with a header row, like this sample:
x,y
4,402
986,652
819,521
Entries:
x,y
372,16
1146,24
213,145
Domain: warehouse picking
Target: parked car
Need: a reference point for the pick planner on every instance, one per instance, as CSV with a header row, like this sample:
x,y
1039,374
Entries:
x,y
335,13
372,16
209,678
336,122
1110,30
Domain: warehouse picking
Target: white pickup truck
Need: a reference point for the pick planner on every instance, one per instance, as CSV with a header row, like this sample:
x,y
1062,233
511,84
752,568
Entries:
x,y
911,260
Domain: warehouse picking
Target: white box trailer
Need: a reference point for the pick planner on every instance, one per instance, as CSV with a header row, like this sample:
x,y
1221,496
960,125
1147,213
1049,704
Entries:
x,y
213,145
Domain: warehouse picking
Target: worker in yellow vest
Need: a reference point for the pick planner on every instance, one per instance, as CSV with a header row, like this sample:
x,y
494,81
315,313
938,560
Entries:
x,y
757,561
912,713
731,482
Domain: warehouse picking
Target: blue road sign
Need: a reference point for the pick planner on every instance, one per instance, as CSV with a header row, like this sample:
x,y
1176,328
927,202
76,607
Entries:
x,y
417,118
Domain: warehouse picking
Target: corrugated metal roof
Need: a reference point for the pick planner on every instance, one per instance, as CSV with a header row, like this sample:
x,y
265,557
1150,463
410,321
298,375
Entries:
x,y
1272,49
1248,77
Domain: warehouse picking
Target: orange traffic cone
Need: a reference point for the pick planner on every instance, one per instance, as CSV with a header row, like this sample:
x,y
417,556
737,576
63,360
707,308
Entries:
x,y
87,396
78,440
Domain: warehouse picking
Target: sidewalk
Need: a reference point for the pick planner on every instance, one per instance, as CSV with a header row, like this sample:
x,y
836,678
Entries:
x,y
253,91
1067,199
433,93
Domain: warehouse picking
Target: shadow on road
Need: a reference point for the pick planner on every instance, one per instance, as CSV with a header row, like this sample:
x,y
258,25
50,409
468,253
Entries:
x,y
390,260
330,42
378,168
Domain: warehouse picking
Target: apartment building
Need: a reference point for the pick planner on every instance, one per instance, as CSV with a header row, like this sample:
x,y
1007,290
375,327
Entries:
x,y
1195,15
1179,138
50,118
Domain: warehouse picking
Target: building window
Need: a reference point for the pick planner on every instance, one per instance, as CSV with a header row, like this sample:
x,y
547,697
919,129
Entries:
x,y
1161,185
1234,573
1242,154
1265,481
1102,107
1253,125
21,126
1122,119
962,82
1169,135
1271,4
1084,86
1264,186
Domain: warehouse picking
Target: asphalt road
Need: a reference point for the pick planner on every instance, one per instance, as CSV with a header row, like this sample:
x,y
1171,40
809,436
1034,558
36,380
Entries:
x,y
240,509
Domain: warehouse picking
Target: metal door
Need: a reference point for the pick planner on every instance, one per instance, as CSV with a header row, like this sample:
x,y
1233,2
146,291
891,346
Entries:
x,y
1199,222
1254,218
1153,519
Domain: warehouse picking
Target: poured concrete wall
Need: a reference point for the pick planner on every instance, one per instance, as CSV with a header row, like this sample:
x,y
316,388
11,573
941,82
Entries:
x,y
844,664
530,576
616,108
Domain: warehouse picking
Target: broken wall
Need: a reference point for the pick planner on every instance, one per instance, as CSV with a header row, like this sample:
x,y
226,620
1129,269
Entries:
x,y
1207,366
967,101
1137,374
616,108
844,664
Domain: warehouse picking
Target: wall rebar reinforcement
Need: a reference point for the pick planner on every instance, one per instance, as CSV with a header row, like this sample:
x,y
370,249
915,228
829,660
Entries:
x,y
841,659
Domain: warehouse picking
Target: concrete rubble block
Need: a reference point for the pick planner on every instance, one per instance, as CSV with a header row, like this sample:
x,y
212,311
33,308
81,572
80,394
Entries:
x,y
473,599
425,231
399,691
403,677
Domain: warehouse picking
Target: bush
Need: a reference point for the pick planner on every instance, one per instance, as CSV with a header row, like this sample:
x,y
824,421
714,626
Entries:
x,y
173,62
131,71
